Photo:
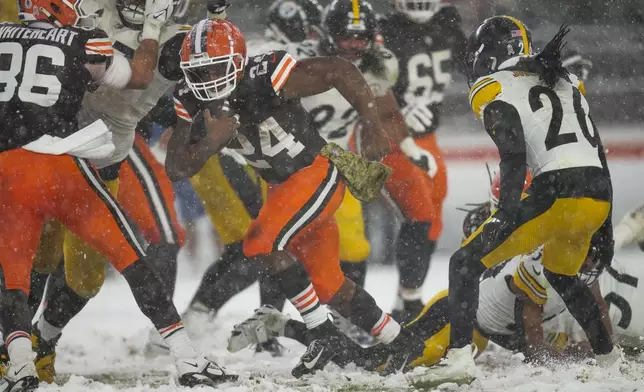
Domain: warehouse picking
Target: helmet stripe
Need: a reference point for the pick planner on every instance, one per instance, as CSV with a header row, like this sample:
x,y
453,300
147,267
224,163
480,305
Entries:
x,y
524,34
199,38
356,11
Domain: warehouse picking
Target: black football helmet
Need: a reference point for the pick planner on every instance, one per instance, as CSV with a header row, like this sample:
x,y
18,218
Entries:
x,y
351,27
496,40
294,20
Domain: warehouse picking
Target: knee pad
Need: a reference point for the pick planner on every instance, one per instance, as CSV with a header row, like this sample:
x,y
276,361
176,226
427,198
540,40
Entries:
x,y
84,267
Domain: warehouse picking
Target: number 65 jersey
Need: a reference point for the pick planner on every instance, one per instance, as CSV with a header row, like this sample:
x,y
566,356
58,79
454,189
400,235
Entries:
x,y
276,135
557,128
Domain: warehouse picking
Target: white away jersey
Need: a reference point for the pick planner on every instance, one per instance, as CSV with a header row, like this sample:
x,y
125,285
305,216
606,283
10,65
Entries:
x,y
622,289
334,117
497,312
121,110
558,132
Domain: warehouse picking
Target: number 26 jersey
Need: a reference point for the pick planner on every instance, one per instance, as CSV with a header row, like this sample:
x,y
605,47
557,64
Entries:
x,y
558,131
276,135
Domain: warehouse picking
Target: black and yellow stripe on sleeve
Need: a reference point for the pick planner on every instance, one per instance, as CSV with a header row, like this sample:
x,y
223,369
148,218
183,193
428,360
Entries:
x,y
529,285
482,93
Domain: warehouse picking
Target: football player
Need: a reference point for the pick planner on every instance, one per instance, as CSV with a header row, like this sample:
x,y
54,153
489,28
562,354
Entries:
x,y
351,32
294,21
277,138
46,175
426,38
518,310
149,199
537,116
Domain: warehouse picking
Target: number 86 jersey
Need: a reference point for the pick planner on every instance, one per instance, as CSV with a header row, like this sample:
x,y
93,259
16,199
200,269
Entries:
x,y
558,130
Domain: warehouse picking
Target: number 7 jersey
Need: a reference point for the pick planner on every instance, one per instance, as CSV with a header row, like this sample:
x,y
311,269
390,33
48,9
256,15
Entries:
x,y
558,131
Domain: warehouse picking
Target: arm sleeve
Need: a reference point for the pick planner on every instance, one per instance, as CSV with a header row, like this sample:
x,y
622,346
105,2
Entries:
x,y
529,278
503,124
169,58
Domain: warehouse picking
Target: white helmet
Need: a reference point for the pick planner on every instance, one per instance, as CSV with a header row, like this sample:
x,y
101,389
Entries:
x,y
419,11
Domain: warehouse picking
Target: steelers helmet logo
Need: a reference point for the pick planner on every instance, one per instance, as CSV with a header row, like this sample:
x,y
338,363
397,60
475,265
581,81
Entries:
x,y
28,4
287,9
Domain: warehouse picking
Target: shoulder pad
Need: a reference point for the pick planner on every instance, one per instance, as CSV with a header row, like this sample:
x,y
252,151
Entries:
x,y
484,91
277,64
529,277
448,15
304,49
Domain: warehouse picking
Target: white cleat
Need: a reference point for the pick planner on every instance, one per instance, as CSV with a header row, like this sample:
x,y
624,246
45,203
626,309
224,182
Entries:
x,y
266,323
457,367
612,360
20,377
202,371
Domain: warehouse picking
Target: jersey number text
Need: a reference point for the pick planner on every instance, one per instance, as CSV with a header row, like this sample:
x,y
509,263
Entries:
x,y
41,89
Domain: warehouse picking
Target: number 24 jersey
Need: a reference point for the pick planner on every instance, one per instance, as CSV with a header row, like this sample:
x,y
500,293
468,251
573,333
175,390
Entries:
x,y
276,135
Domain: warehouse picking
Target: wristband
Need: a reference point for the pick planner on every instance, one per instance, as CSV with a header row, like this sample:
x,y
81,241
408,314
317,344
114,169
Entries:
x,y
151,29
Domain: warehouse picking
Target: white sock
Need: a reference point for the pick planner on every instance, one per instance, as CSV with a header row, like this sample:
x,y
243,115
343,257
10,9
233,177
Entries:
x,y
47,331
407,294
19,347
178,341
308,304
386,329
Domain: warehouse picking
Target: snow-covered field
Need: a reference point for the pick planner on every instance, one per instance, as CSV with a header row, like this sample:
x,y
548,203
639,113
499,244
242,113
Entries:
x,y
102,350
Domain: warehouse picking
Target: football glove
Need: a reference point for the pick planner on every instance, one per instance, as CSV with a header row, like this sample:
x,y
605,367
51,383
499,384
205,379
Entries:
x,y
420,157
419,117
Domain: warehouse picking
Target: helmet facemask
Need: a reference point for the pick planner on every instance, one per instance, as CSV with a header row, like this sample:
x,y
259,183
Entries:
x,y
212,78
132,12
418,11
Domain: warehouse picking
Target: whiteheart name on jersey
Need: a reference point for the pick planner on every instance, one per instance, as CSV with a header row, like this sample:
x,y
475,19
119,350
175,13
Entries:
x,y
61,36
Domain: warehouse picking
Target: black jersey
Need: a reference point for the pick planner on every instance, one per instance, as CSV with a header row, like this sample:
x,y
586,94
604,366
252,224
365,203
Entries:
x,y
276,136
44,77
427,53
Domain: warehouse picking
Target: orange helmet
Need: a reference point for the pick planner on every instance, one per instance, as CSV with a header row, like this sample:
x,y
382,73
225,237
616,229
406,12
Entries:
x,y
495,188
213,55
61,12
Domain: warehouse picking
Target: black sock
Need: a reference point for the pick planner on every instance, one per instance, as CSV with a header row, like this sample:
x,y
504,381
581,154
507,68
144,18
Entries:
x,y
150,295
233,273
270,292
163,258
464,273
582,305
62,303
295,283
413,254
37,290
364,313
356,271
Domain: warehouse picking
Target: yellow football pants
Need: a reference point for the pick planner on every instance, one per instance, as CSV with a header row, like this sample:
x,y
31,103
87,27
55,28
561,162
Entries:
x,y
84,266
433,324
8,11
219,185
354,246
565,228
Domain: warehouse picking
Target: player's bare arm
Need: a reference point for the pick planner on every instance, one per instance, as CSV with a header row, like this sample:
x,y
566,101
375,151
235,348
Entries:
x,y
185,159
503,124
317,75
157,12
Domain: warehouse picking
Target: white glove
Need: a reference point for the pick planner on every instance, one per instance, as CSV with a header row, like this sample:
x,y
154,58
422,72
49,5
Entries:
x,y
630,229
157,12
421,158
418,117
